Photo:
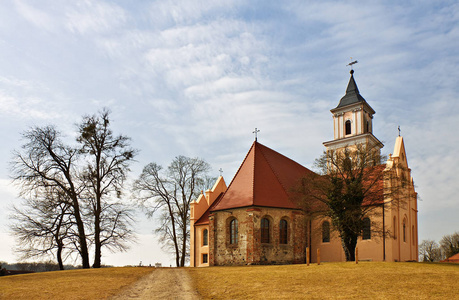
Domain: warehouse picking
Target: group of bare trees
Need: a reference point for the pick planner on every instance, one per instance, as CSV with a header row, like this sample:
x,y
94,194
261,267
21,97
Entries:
x,y
72,193
168,193
431,251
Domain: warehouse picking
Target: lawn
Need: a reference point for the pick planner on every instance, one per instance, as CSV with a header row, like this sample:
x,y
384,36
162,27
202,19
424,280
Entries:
x,y
368,280
72,284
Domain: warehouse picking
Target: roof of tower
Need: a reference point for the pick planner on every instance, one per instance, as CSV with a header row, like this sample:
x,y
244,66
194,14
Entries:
x,y
265,178
352,95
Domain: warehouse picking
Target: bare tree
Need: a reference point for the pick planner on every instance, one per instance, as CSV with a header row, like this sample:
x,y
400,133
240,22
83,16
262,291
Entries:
x,y
429,251
80,187
449,244
42,225
169,192
348,190
45,163
108,159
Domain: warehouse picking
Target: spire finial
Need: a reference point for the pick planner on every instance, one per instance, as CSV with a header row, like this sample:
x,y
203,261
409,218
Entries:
x,y
256,131
399,130
350,65
221,171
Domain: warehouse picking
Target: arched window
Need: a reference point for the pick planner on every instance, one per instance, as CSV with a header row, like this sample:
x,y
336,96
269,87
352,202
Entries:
x,y
233,231
264,230
347,126
283,232
325,232
366,233
395,227
404,230
205,237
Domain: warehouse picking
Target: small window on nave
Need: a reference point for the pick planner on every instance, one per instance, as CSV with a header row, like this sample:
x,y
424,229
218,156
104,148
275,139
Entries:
x,y
233,231
404,230
366,232
283,232
265,230
325,232
205,237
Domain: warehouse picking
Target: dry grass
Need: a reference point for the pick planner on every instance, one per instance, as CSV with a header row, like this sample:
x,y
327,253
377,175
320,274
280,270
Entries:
x,y
369,280
72,284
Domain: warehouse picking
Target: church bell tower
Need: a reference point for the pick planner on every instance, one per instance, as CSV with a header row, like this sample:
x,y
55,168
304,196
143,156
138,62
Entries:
x,y
353,121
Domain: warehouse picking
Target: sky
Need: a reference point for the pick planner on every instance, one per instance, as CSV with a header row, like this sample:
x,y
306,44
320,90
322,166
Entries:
x,y
195,78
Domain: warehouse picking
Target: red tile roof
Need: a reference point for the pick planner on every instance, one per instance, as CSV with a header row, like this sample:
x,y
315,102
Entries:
x,y
375,182
264,179
452,259
204,219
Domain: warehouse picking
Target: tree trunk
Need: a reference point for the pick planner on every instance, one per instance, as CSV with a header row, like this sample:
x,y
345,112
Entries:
x,y
349,243
59,256
97,245
182,260
84,253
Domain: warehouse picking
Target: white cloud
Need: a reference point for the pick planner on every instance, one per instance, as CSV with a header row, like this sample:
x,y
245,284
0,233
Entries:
x,y
38,17
20,99
89,16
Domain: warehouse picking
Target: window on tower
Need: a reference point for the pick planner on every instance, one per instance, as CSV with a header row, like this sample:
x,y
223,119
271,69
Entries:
x,y
348,127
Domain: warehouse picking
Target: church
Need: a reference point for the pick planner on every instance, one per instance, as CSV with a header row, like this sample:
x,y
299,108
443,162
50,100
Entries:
x,y
254,219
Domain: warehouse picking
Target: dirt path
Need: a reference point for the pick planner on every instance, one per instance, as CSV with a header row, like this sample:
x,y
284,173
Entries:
x,y
163,283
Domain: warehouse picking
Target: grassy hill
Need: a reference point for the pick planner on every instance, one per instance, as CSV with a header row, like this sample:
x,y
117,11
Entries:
x,y
72,284
369,280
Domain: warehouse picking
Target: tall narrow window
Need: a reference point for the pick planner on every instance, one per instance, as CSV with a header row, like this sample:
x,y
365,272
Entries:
x,y
368,126
264,230
283,232
205,258
325,232
404,230
348,127
412,234
366,233
205,237
233,231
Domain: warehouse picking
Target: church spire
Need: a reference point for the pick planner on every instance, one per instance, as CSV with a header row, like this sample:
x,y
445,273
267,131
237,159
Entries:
x,y
352,120
352,94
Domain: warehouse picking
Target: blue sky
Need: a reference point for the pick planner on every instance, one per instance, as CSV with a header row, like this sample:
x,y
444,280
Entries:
x,y
195,78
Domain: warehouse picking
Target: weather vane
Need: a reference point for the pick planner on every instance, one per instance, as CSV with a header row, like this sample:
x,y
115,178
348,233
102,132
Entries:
x,y
256,131
352,63
221,171
399,130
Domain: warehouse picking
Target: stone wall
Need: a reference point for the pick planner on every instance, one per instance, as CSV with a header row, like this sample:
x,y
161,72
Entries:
x,y
249,249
